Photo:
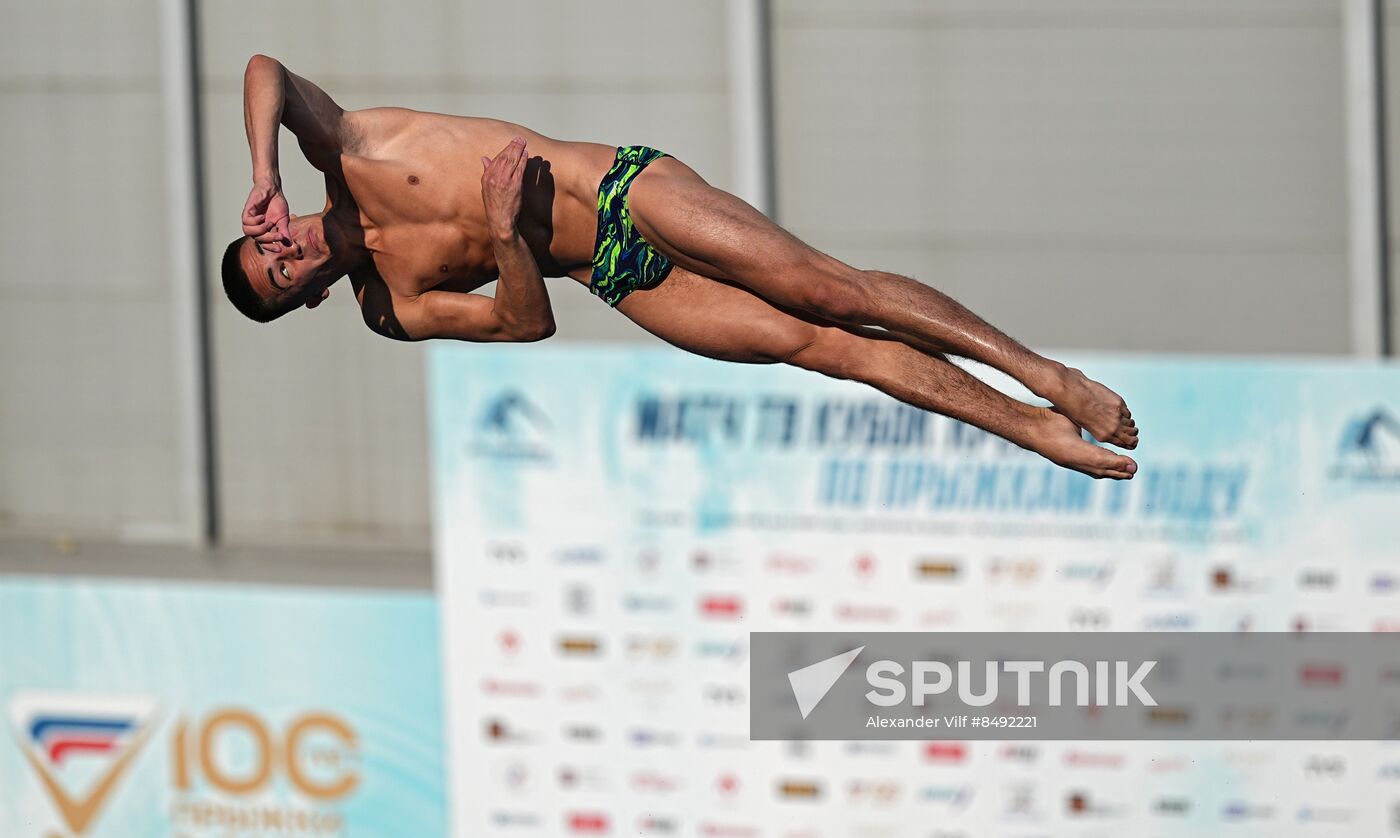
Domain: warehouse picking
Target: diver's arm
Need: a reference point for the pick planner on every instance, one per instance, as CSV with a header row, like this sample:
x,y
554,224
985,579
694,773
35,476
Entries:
x,y
274,96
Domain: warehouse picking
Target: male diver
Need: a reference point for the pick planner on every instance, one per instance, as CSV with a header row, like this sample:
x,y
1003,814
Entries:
x,y
417,232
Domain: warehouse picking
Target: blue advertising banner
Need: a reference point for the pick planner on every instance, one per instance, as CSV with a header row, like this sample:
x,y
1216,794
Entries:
x,y
611,524
142,709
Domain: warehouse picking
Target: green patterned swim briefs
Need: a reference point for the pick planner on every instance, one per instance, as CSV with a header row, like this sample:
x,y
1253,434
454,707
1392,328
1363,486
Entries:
x,y
623,262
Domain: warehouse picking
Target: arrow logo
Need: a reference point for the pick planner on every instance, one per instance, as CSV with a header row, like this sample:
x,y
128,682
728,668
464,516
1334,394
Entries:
x,y
810,684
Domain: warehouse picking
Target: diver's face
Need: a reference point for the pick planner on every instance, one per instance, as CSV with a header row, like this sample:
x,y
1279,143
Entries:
x,y
297,270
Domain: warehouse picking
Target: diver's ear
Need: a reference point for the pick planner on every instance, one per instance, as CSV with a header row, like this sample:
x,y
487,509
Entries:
x,y
315,301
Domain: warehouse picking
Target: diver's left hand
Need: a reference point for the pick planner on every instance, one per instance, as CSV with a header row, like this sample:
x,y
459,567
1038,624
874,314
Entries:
x,y
502,182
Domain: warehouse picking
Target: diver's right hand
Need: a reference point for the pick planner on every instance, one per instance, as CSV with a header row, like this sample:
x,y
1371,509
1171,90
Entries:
x,y
266,218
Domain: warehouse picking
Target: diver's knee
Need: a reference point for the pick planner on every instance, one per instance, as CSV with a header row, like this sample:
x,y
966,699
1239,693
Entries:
x,y
829,352
840,297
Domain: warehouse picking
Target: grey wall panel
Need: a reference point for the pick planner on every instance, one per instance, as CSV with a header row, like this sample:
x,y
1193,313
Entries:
x,y
1165,174
1066,163
322,435
84,431
545,44
72,42
1200,289
87,384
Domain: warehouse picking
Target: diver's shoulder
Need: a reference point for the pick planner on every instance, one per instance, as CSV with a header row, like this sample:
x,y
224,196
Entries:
x,y
379,132
365,131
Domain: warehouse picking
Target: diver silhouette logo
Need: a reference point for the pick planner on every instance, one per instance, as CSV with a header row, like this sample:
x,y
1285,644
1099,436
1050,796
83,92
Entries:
x,y
1370,448
810,684
511,414
80,741
513,427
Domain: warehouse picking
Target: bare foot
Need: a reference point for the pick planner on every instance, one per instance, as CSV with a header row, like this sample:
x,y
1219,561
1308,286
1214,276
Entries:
x,y
1094,407
1057,439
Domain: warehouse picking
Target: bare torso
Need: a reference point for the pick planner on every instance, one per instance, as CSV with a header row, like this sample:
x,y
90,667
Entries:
x,y
415,179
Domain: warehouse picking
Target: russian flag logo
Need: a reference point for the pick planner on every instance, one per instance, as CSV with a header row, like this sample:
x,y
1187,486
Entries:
x,y
60,736
80,746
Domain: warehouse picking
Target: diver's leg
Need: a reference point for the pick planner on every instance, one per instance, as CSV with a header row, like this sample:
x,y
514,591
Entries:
x,y
723,321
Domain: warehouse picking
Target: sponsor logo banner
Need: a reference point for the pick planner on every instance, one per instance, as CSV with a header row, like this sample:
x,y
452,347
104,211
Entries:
x,y
629,516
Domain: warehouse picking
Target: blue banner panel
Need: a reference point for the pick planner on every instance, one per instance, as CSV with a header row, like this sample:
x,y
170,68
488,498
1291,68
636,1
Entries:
x,y
141,709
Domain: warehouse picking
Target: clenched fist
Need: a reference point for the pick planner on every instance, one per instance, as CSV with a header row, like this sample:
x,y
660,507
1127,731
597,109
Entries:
x,y
502,182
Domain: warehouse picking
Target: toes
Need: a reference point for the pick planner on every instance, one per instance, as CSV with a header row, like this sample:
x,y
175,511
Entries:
x,y
1127,436
1102,459
1106,464
1117,468
1118,463
1119,436
1107,434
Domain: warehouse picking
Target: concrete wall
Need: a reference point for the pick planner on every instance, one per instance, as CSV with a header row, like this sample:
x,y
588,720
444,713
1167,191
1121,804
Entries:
x,y
1156,175
1163,175
87,380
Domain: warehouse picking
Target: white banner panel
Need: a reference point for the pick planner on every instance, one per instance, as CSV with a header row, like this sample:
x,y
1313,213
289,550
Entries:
x,y
612,523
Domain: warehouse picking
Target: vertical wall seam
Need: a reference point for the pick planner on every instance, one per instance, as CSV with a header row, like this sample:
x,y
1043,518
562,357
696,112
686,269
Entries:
x,y
1385,313
1366,226
749,43
768,149
205,345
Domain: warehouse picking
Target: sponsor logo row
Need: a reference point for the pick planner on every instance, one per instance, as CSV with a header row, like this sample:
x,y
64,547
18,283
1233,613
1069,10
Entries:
x,y
1165,575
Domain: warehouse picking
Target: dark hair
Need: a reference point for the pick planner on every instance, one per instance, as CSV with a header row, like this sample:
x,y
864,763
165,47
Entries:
x,y
243,295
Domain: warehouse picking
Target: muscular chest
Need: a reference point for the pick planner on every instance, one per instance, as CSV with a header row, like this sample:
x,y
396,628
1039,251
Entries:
x,y
415,257
425,224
